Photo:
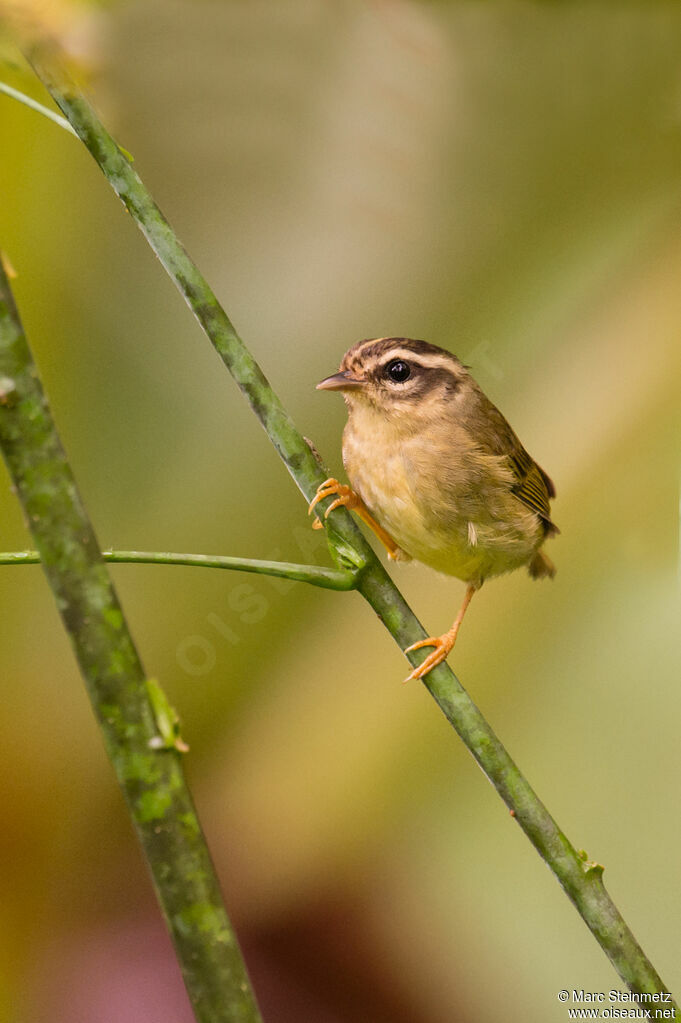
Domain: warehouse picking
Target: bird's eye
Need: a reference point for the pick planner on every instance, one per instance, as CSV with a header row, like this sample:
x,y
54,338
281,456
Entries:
x,y
398,371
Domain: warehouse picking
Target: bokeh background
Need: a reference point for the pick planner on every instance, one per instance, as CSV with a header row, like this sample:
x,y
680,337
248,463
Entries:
x,y
500,178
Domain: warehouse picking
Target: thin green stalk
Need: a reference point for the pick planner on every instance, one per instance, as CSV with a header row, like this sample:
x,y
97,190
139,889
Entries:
x,y
581,880
33,104
148,767
327,578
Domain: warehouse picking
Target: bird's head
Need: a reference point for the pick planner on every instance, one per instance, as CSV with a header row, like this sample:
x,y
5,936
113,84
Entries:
x,y
399,377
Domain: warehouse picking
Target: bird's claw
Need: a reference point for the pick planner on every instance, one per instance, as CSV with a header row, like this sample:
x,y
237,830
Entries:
x,y
443,646
345,497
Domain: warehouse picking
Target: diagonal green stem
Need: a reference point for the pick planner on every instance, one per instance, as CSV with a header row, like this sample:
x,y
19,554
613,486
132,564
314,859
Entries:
x,y
126,182
327,578
151,778
581,880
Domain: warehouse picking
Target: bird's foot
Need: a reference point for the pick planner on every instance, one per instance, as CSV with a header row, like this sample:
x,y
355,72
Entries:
x,y
443,645
347,498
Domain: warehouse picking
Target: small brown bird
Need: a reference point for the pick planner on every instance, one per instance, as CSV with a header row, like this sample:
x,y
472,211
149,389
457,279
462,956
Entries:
x,y
436,471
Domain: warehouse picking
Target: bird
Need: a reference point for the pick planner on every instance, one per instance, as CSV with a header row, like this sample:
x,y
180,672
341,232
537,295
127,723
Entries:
x,y
436,471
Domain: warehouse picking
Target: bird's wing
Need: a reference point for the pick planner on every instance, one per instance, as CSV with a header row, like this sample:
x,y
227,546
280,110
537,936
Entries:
x,y
531,484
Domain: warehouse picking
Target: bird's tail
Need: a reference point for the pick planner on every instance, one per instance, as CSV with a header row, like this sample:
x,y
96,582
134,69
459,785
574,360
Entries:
x,y
541,566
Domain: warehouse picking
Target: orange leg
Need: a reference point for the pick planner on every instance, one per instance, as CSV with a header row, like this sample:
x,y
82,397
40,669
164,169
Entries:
x,y
443,644
347,497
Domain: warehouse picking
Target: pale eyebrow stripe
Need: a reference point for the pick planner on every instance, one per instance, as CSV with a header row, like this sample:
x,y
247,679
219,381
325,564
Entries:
x,y
424,361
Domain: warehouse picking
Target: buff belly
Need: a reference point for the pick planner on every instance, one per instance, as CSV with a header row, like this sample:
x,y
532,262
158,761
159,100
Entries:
x,y
471,535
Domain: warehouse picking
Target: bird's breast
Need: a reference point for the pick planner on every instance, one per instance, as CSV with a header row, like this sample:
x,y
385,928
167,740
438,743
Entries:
x,y
390,477
439,506
381,478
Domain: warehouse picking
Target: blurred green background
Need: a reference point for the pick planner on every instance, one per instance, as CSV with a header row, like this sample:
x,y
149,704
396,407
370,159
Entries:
x,y
502,179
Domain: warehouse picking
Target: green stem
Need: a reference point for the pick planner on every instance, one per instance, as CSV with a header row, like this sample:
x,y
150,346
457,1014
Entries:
x,y
38,107
582,881
328,578
185,275
151,778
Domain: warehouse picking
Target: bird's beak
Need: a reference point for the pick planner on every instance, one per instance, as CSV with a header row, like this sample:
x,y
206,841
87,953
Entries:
x,y
340,382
